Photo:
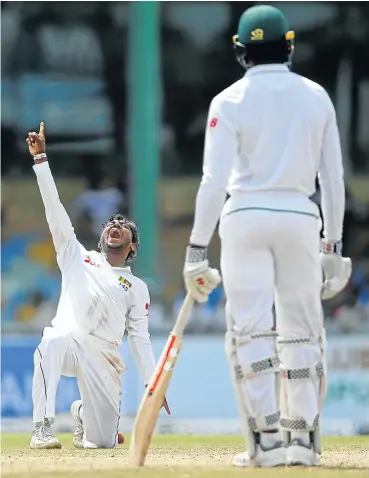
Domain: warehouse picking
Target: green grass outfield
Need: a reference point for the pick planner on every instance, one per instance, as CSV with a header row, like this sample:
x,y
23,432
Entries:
x,y
188,456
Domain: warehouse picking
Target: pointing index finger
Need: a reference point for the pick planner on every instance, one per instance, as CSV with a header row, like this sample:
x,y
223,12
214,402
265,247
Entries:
x,y
42,130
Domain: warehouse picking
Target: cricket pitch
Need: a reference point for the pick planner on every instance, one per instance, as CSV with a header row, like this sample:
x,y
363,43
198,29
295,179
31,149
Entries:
x,y
178,456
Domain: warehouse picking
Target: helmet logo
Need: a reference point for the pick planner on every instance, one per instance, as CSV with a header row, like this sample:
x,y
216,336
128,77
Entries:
x,y
257,35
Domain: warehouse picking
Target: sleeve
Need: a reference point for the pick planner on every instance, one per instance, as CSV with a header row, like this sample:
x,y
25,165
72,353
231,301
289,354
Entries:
x,y
221,147
331,179
138,334
62,232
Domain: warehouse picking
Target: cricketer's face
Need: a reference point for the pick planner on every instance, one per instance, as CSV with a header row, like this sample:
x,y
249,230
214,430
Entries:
x,y
116,235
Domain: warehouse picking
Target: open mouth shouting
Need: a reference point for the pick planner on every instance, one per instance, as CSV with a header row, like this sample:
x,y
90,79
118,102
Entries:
x,y
115,235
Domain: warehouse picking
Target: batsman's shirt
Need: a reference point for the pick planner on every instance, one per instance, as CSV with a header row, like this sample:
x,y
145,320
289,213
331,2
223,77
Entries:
x,y
97,300
268,136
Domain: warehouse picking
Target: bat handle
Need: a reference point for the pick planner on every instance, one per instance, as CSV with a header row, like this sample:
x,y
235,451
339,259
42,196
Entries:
x,y
183,315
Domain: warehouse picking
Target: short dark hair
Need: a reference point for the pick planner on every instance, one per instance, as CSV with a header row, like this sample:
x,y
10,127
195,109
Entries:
x,y
268,52
134,230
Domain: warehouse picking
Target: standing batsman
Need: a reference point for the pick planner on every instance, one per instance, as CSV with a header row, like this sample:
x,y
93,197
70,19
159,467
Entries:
x,y
100,299
268,136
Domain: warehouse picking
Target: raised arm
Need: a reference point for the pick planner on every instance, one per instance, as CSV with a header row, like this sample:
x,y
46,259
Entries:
x,y
60,226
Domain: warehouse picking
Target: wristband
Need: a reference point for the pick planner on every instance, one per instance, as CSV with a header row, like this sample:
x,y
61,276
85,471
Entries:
x,y
196,254
330,247
39,156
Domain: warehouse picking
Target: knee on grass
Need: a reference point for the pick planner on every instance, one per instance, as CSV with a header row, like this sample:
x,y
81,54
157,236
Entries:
x,y
101,444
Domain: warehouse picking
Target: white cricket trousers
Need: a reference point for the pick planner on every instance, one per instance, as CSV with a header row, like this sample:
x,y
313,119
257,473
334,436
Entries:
x,y
99,383
270,257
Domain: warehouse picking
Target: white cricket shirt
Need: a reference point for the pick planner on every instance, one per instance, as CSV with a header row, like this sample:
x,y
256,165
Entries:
x,y
267,137
96,299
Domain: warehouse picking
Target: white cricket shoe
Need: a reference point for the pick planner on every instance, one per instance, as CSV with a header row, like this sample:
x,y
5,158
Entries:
x,y
265,458
43,436
79,431
299,454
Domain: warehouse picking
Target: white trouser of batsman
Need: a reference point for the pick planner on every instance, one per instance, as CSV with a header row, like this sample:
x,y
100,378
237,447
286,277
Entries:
x,y
303,386
240,372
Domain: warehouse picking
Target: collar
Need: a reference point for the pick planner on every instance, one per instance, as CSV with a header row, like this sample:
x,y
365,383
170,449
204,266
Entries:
x,y
124,269
273,67
116,268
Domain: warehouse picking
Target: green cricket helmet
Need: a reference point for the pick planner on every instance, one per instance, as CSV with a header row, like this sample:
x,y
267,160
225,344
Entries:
x,y
262,24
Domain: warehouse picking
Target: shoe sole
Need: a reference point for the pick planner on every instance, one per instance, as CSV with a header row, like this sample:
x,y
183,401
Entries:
x,y
266,464
254,465
46,446
299,463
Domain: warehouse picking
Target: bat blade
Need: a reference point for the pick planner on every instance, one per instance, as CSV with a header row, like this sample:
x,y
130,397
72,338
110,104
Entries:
x,y
155,393
151,404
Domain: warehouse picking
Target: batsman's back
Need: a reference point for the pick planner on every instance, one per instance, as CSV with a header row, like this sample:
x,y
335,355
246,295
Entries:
x,y
286,127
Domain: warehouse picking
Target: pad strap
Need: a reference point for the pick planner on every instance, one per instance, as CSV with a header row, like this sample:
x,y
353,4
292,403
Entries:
x,y
260,367
235,339
298,424
300,340
268,421
304,373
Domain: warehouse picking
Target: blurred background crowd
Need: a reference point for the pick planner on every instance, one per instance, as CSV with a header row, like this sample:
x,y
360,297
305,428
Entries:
x,y
66,62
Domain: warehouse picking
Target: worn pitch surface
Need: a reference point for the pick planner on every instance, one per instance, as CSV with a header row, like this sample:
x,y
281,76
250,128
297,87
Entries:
x,y
189,456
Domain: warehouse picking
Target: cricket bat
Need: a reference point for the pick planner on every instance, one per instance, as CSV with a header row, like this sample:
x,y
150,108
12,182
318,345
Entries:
x,y
153,399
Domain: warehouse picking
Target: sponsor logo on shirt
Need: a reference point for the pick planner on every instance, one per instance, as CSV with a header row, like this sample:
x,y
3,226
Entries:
x,y
88,260
124,283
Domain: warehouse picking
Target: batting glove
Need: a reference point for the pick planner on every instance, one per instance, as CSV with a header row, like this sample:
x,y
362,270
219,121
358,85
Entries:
x,y
199,278
337,269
